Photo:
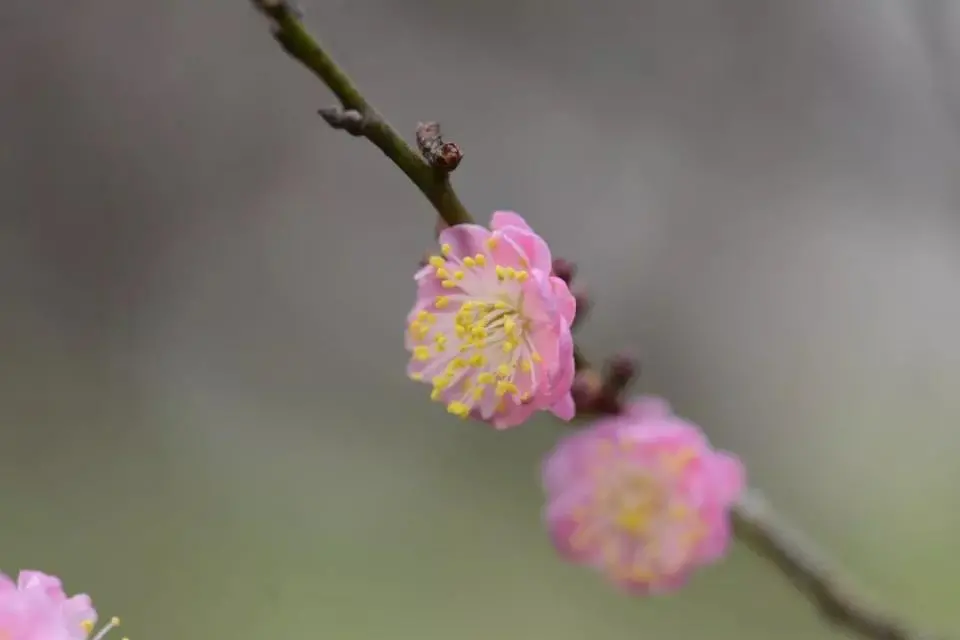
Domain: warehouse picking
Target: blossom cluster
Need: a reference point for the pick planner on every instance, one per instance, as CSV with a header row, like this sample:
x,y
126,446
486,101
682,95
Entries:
x,y
35,607
640,495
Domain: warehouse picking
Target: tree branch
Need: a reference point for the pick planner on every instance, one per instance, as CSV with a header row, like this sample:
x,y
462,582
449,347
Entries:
x,y
756,524
289,31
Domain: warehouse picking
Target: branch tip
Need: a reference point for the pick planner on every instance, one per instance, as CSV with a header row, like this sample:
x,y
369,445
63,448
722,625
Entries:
x,y
276,8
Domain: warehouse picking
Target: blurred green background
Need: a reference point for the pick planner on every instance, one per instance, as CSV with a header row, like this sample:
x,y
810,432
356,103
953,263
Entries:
x,y
206,422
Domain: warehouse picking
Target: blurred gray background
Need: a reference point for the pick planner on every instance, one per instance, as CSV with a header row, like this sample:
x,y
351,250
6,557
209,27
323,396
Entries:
x,y
202,289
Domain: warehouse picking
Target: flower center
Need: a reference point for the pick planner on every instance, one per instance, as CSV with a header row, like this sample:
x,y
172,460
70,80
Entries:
x,y
638,505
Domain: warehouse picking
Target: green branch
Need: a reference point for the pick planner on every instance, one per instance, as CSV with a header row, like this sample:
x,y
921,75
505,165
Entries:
x,y
756,524
296,41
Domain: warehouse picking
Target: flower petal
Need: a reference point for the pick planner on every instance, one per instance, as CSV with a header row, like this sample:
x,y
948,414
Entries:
x,y
502,219
534,248
717,542
514,416
729,477
649,408
507,252
50,585
566,302
565,408
562,379
465,239
562,527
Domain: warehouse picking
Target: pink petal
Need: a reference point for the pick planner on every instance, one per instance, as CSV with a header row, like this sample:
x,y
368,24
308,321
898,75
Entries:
x,y
79,609
465,239
566,463
51,585
719,535
729,477
501,219
540,305
514,416
649,408
664,436
566,302
534,248
572,457
562,527
562,379
564,408
507,252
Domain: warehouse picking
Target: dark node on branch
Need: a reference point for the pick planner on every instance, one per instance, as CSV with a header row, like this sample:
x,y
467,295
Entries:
x,y
445,156
596,394
586,391
349,120
619,373
565,270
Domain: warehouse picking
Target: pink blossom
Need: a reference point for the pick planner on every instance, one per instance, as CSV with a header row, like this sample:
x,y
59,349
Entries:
x,y
35,607
490,330
641,497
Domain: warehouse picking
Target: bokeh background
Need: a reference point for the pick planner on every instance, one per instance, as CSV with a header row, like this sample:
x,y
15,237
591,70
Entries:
x,y
202,291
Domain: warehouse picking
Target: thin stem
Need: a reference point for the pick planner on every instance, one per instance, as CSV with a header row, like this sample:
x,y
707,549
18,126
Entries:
x,y
756,524
289,31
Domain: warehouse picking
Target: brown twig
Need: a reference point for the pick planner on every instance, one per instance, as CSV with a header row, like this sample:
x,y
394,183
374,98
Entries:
x,y
756,524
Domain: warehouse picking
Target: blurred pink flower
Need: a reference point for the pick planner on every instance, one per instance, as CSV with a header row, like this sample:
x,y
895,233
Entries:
x,y
36,608
490,330
642,497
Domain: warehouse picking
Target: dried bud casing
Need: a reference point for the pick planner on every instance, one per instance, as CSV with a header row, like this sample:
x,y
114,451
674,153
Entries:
x,y
445,156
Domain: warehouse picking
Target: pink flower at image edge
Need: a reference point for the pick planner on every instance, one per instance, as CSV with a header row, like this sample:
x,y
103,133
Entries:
x,y
641,497
35,607
490,328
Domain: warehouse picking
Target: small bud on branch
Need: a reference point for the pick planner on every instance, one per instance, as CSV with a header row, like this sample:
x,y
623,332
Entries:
x,y
444,156
349,120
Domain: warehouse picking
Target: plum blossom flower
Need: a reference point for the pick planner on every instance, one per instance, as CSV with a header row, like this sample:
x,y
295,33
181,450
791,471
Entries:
x,y
35,607
490,329
641,497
